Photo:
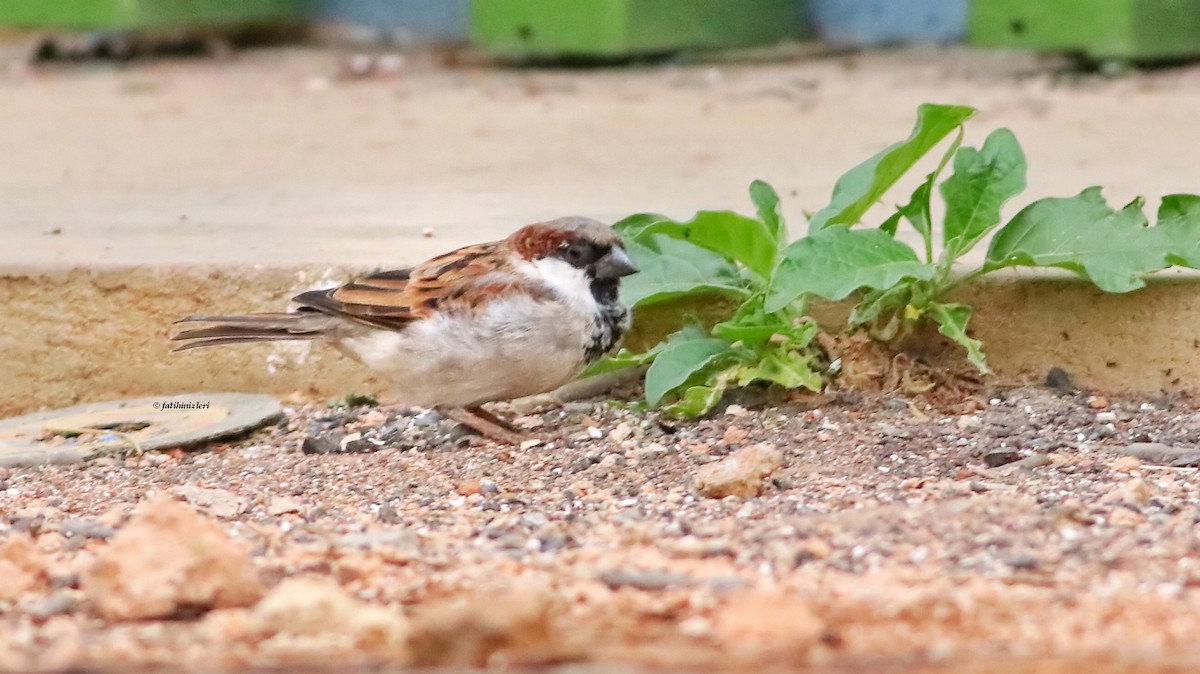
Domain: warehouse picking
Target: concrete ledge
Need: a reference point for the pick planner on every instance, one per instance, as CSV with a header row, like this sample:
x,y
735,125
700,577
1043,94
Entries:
x,y
85,335
1144,342
81,335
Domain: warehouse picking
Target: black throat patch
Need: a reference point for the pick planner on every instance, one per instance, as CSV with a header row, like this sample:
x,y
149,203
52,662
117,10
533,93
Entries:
x,y
611,321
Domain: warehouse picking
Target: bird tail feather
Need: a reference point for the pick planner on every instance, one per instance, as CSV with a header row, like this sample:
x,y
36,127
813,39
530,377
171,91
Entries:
x,y
300,325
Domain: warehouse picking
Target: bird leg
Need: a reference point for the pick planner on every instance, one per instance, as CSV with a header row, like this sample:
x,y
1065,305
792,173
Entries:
x,y
484,413
486,424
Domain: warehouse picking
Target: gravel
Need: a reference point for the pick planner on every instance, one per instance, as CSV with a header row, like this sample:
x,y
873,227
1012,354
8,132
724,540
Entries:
x,y
887,529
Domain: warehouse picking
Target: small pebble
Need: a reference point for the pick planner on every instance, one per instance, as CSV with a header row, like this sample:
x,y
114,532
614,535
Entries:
x,y
734,435
643,580
1000,458
1126,464
54,605
622,431
320,444
86,528
696,627
968,422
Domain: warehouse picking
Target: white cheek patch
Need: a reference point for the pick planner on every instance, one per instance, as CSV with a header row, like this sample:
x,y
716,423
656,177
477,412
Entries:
x,y
571,283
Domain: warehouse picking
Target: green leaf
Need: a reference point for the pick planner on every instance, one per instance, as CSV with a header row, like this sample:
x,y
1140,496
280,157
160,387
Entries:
x,y
1179,209
758,334
835,262
918,211
878,302
801,335
747,240
766,200
952,322
696,400
621,360
752,326
865,184
1179,225
684,358
670,268
1114,249
983,180
788,368
751,333
638,221
354,400
890,225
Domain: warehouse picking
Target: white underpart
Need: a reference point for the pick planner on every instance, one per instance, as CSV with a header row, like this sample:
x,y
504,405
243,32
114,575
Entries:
x,y
517,345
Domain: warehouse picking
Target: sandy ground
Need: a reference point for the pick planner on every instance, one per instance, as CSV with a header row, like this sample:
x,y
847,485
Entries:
x,y
273,159
1013,531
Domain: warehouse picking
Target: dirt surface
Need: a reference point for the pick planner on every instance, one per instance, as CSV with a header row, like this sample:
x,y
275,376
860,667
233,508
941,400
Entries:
x,y
1007,531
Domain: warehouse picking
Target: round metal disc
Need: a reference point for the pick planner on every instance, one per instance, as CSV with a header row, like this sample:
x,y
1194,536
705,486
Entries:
x,y
75,433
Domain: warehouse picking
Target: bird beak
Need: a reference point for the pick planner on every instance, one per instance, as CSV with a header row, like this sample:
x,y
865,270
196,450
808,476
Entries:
x,y
615,264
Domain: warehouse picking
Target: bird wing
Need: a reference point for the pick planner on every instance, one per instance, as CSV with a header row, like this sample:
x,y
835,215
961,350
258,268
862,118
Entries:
x,y
458,280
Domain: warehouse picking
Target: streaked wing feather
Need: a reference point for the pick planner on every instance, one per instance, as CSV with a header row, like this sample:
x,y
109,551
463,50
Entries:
x,y
463,278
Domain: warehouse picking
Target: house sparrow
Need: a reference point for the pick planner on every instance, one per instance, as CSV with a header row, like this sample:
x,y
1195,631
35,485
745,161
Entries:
x,y
489,322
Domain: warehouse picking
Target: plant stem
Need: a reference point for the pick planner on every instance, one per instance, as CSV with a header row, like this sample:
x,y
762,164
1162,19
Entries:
x,y
949,284
931,180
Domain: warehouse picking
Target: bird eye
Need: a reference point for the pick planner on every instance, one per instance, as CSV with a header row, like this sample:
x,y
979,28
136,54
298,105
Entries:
x,y
575,253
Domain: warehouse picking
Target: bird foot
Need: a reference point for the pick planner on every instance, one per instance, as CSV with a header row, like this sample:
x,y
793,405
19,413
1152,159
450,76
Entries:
x,y
486,424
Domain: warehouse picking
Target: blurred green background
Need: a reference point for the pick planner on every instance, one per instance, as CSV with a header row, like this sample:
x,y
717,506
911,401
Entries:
x,y
1104,29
